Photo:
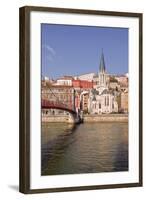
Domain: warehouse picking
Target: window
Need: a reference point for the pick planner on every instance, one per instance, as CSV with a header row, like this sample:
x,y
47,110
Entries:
x,y
99,105
108,101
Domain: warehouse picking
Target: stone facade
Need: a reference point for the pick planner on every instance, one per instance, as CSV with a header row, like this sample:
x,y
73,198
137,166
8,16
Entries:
x,y
124,102
104,103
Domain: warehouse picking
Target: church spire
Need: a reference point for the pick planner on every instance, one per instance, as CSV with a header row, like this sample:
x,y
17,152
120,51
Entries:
x,y
102,63
102,72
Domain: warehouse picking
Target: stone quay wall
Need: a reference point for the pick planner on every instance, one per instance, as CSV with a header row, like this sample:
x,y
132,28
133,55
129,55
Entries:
x,y
106,118
55,118
89,118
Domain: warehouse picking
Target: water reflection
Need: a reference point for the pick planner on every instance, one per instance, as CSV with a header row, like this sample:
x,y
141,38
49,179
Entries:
x,y
86,148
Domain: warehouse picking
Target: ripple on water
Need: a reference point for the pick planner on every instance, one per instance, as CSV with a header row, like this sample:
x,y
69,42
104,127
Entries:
x,y
86,148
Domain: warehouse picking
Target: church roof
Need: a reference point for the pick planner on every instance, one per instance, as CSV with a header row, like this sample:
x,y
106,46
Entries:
x,y
94,92
105,91
102,63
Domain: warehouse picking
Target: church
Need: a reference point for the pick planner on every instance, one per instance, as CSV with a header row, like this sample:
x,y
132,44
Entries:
x,y
101,98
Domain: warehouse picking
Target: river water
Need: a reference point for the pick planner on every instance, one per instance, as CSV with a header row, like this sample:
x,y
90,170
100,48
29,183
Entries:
x,y
84,148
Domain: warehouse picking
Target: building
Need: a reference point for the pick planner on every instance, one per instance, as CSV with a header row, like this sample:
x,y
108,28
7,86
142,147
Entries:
x,y
82,84
86,77
94,93
62,94
95,80
124,102
65,80
46,81
114,86
103,103
82,88
101,98
124,87
84,97
122,79
77,100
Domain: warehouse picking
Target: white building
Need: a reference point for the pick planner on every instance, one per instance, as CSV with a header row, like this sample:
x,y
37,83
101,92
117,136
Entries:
x,y
65,80
101,99
103,103
87,77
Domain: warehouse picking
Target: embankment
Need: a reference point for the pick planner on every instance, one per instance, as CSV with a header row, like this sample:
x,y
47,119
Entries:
x,y
89,118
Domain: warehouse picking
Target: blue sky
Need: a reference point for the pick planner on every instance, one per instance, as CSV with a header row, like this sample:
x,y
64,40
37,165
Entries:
x,y
75,50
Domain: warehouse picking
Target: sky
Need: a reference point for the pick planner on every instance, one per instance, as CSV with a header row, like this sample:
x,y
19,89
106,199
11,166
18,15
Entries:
x,y
75,50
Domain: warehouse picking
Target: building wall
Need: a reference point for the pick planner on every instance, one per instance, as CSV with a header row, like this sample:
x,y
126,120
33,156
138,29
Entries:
x,y
82,84
63,94
77,100
122,79
85,102
64,82
124,102
114,85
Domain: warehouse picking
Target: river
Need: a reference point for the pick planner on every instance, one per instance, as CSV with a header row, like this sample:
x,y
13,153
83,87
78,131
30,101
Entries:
x,y
85,148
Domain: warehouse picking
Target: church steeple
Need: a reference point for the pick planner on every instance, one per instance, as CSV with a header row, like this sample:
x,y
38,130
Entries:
x,y
102,72
102,63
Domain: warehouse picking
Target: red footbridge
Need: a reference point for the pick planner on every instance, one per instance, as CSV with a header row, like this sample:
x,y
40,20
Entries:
x,y
47,104
57,104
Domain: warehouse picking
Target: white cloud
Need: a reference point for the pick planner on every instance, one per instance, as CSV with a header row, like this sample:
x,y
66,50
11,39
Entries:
x,y
50,49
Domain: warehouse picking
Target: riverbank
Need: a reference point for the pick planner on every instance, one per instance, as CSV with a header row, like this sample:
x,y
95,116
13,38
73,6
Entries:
x,y
106,118
89,118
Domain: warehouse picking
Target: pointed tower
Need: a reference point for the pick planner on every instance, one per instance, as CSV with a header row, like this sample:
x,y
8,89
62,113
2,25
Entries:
x,y
102,72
